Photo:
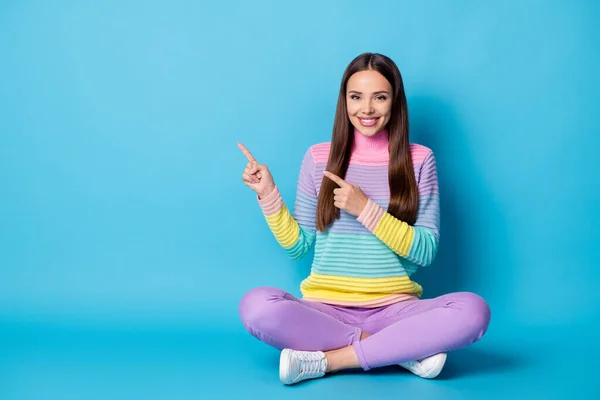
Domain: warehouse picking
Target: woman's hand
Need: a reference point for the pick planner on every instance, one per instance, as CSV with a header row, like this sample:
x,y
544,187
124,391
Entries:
x,y
257,176
347,197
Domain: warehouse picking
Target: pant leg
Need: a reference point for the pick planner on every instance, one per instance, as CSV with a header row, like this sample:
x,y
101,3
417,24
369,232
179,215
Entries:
x,y
417,329
283,321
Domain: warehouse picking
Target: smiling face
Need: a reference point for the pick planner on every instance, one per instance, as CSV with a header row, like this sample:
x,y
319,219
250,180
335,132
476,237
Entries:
x,y
369,101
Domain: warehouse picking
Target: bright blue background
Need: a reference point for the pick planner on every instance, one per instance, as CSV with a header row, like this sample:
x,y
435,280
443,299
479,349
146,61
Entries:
x,y
127,237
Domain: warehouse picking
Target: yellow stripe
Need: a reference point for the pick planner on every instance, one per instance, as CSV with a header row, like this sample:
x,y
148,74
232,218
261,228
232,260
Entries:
x,y
398,235
284,227
343,296
343,288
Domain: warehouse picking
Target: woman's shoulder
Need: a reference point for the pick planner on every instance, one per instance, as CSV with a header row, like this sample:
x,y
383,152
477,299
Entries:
x,y
419,152
319,152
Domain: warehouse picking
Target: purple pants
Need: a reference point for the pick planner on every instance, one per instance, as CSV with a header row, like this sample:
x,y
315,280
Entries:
x,y
405,331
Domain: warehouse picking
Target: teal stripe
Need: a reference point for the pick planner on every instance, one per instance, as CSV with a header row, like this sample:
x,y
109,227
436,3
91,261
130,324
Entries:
x,y
362,256
423,248
305,241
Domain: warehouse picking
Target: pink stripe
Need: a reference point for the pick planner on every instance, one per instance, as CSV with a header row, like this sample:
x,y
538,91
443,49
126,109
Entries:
x,y
391,299
418,153
371,215
371,160
321,151
271,204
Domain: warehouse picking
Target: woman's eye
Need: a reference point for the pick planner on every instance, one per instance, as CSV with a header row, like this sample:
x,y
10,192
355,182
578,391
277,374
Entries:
x,y
355,97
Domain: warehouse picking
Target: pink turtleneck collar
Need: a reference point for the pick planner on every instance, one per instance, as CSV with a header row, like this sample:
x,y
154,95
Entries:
x,y
376,144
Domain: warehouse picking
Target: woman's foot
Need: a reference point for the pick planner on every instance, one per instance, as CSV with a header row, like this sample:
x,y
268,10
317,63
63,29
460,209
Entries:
x,y
296,366
428,367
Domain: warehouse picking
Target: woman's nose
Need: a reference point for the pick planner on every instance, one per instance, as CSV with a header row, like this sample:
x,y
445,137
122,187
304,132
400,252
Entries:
x,y
368,109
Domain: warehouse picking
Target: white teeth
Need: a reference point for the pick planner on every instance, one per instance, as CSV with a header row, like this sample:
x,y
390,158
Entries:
x,y
368,121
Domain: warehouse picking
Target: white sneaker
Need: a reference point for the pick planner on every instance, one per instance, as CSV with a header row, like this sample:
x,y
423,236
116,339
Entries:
x,y
296,366
428,367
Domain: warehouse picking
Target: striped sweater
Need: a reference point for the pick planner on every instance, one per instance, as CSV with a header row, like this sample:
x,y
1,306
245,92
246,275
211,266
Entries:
x,y
363,261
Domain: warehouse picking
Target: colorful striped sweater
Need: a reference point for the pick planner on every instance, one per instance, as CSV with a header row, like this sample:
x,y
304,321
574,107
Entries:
x,y
363,261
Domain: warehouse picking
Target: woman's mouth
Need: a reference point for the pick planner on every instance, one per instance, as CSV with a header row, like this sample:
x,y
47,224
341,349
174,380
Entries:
x,y
368,121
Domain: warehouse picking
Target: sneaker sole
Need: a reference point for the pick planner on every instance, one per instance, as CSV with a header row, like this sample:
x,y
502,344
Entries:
x,y
436,368
284,364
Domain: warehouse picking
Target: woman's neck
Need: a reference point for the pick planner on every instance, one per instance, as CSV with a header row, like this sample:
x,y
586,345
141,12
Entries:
x,y
378,143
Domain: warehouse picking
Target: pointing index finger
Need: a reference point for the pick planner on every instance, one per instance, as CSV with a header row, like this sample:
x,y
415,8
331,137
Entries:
x,y
335,178
246,152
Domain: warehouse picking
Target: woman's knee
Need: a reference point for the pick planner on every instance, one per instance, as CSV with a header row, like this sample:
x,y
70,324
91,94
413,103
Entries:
x,y
472,311
254,304
476,312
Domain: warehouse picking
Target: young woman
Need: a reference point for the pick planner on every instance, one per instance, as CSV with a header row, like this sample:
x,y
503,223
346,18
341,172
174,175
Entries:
x,y
369,203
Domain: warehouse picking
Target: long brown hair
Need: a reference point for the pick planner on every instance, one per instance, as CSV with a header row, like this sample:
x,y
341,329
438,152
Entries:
x,y
404,196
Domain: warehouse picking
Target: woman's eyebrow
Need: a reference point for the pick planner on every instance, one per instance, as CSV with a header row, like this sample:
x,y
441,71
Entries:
x,y
381,91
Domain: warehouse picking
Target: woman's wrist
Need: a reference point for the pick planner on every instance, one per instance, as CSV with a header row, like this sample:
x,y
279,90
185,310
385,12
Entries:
x,y
266,192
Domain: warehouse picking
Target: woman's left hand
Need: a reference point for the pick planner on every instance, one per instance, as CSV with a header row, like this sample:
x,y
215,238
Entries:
x,y
347,197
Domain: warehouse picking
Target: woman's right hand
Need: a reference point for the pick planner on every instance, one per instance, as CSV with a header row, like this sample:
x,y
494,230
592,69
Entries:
x,y
257,176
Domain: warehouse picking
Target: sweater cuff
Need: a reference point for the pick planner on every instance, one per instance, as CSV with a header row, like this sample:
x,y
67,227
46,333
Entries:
x,y
272,203
371,215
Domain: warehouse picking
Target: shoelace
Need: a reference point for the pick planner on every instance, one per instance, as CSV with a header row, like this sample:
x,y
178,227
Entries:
x,y
311,363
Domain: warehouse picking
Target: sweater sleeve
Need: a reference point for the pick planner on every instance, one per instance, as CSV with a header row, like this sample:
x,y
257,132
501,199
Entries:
x,y
418,243
295,232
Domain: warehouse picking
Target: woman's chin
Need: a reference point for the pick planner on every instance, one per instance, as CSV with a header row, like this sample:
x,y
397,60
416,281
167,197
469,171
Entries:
x,y
369,131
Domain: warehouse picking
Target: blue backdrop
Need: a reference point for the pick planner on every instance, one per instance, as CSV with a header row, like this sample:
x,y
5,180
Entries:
x,y
123,217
